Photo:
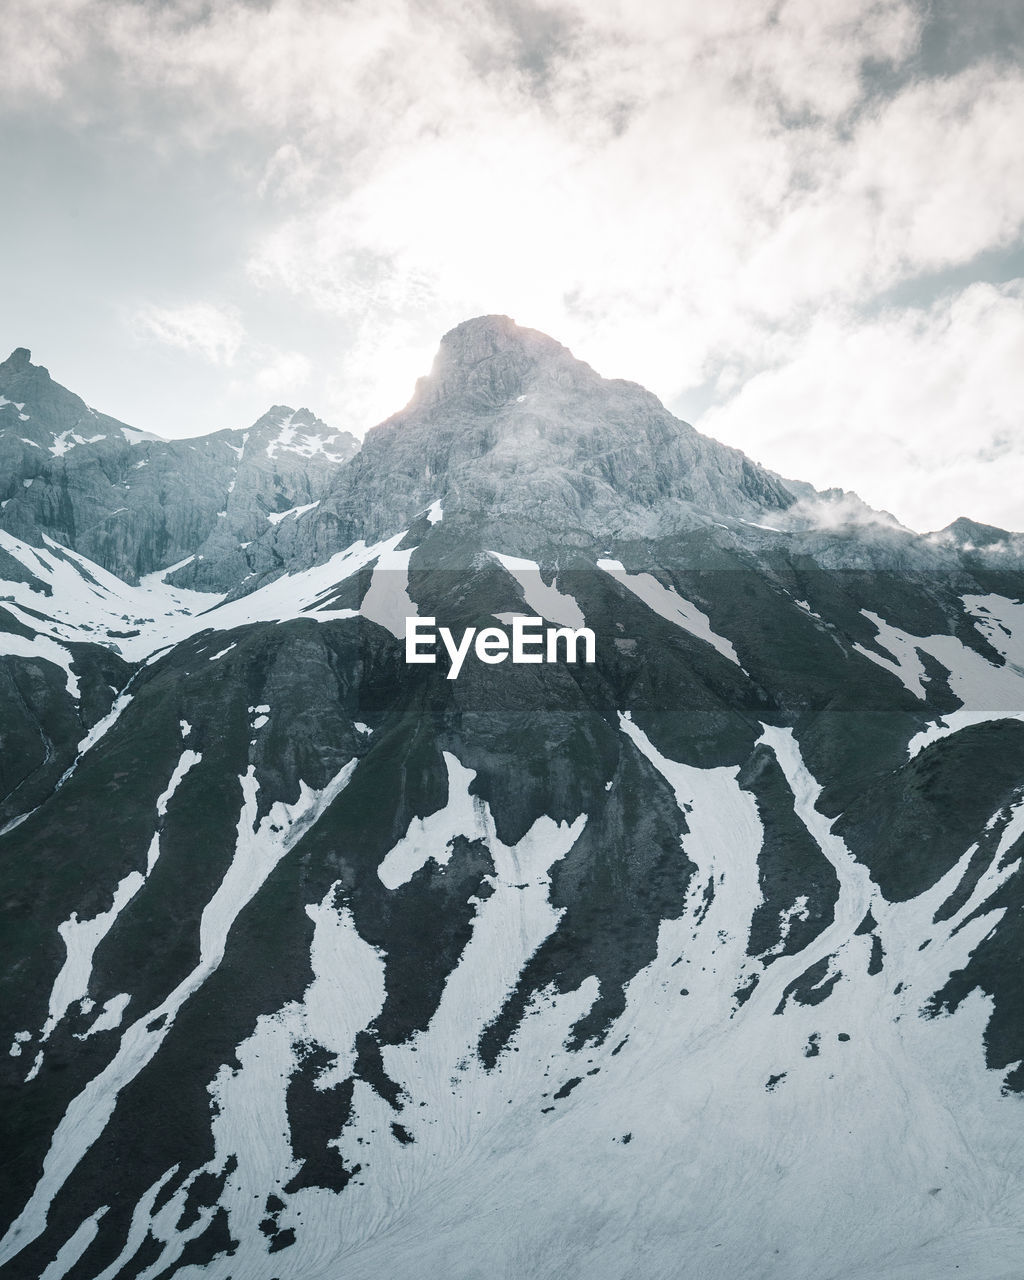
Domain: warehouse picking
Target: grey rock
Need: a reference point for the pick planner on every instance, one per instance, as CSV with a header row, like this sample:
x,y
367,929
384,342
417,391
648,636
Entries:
x,y
134,503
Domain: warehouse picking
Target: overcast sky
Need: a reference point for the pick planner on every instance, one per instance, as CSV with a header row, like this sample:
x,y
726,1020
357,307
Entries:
x,y
798,223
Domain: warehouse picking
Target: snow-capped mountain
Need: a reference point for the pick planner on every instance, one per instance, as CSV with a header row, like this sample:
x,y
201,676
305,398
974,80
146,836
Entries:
x,y
134,503
701,960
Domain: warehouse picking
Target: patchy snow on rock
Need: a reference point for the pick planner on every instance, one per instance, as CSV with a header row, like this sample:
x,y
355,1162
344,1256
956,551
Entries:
x,y
110,1016
432,837
670,605
278,516
41,648
68,439
387,599
292,437
72,1250
453,1108
89,605
82,937
134,436
894,1116
986,691
260,845
905,663
435,512
546,601
20,1039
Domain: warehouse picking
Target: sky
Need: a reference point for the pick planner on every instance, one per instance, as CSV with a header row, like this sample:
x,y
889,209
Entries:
x,y
800,224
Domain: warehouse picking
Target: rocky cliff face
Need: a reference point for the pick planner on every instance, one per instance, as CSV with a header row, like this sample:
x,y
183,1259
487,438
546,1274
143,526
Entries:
x,y
514,431
316,962
134,503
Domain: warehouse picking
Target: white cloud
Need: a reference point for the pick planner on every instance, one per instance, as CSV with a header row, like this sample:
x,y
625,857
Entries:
x,y
282,373
917,410
41,45
690,195
216,333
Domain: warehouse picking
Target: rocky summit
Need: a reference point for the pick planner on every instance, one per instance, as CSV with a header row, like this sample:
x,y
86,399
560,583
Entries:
x,y
697,960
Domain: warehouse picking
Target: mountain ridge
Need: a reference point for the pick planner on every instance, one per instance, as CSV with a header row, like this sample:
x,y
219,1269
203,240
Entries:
x,y
314,961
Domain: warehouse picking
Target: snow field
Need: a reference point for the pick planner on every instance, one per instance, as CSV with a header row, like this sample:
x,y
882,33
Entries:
x,y
259,847
748,1154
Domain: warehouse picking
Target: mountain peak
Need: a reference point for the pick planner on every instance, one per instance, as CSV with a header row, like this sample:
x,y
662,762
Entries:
x,y
484,336
19,361
485,362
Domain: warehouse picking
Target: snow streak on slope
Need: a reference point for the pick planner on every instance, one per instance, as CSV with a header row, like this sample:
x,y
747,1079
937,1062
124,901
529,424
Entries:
x,y
546,601
300,595
671,606
855,887
102,727
450,1104
278,516
985,690
73,1249
259,847
82,937
905,663
387,601
721,1135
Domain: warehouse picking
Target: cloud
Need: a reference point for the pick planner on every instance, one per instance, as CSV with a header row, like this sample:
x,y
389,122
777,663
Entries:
x,y
704,198
215,333
836,509
41,45
917,410
281,373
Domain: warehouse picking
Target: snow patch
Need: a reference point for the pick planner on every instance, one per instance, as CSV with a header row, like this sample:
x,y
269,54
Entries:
x,y
73,1249
277,517
103,727
668,604
547,602
259,847
905,664
40,648
68,439
387,599
110,1016
432,837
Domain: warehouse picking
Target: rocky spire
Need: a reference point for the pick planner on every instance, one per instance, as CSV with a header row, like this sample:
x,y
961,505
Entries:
x,y
488,361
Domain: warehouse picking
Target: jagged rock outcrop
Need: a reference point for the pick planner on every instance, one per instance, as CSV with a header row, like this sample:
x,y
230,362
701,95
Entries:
x,y
511,428
134,503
